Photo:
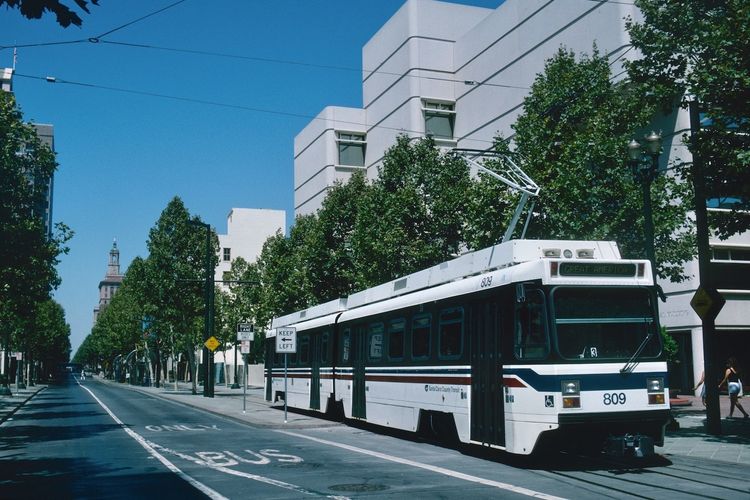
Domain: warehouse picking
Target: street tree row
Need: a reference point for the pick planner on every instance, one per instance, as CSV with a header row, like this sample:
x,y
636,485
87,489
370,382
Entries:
x,y
30,322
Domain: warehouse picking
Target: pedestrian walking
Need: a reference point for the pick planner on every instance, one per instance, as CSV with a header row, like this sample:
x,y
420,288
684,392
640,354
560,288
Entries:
x,y
703,389
83,374
734,386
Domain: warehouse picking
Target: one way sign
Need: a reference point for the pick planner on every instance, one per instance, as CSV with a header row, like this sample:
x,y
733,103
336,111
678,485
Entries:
x,y
286,340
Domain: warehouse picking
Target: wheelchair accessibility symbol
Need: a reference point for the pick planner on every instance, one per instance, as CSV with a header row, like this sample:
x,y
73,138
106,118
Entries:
x,y
549,401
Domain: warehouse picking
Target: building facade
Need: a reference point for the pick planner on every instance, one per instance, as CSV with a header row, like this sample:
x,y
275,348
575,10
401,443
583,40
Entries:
x,y
247,231
459,74
111,283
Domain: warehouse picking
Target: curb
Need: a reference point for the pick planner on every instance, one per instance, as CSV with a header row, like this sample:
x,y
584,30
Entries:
x,y
5,417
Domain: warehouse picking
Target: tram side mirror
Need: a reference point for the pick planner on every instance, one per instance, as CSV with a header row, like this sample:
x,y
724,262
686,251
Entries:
x,y
520,293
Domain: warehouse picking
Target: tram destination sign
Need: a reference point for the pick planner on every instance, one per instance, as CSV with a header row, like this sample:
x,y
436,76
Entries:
x,y
618,270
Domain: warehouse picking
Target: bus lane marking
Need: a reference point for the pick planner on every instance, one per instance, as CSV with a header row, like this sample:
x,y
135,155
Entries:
x,y
222,461
432,468
181,427
211,493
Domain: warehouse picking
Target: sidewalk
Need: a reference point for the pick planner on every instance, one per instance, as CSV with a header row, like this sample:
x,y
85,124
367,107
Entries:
x,y
692,440
10,404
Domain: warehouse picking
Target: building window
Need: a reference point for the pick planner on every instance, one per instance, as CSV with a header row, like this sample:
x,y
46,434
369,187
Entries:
x,y
439,118
730,254
227,254
351,148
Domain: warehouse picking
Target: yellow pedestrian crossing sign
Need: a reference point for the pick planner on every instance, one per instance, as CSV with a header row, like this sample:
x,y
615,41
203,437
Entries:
x,y
212,343
707,303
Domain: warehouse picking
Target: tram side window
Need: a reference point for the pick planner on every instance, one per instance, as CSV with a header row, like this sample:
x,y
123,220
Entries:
x,y
396,330
304,350
375,342
324,348
346,343
531,339
421,328
451,332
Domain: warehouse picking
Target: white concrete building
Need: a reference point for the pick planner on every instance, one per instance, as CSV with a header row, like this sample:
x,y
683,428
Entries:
x,y
247,230
460,73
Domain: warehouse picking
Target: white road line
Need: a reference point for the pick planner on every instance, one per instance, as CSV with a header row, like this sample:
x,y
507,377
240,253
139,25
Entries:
x,y
432,468
247,475
213,494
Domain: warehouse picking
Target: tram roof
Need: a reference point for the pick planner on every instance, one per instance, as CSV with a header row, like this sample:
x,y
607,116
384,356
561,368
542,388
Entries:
x,y
469,264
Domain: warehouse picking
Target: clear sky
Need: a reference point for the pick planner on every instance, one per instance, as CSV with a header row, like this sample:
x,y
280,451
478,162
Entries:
x,y
124,154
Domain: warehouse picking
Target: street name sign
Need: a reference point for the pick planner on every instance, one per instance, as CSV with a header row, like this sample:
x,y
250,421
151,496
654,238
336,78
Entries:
x,y
286,340
245,331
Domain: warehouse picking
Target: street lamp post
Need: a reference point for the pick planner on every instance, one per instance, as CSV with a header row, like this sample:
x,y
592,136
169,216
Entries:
x,y
644,164
208,355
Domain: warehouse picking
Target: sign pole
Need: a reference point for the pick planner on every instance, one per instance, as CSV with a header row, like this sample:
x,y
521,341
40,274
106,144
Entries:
x,y
286,394
244,385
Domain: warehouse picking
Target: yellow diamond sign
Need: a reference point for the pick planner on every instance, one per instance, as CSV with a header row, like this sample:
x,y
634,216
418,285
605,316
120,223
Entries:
x,y
212,343
707,303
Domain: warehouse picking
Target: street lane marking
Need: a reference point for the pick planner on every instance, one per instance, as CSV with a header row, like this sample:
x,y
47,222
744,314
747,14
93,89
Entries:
x,y
213,494
210,459
440,470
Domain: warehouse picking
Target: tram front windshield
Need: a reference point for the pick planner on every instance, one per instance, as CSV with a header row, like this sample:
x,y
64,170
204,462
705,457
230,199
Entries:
x,y
605,323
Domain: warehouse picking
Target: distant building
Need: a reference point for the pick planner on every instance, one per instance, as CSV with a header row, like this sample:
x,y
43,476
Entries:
x,y
247,231
111,282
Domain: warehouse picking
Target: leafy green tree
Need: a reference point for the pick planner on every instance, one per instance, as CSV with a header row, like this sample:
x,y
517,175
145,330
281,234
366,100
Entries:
x,y
572,138
700,50
175,270
328,251
414,215
28,255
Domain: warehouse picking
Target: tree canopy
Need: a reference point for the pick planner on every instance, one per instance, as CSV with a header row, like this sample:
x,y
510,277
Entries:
x,y
699,50
35,9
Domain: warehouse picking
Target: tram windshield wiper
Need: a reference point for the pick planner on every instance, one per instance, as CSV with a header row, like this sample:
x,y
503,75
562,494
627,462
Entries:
x,y
632,363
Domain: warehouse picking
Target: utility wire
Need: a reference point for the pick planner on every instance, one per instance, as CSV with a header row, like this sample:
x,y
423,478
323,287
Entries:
x,y
178,2
51,79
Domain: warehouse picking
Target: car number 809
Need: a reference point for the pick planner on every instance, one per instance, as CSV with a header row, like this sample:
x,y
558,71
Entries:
x,y
614,398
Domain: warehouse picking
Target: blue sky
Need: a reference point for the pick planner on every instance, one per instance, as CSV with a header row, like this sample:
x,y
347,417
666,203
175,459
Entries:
x,y
124,155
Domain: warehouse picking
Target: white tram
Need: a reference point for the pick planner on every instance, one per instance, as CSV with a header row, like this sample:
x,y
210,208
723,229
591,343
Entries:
x,y
503,347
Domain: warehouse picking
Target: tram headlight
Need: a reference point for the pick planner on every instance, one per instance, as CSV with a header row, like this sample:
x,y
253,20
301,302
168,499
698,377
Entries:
x,y
571,393
655,389
655,384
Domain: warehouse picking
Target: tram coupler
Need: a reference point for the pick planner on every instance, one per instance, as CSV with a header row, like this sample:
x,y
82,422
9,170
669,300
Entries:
x,y
629,445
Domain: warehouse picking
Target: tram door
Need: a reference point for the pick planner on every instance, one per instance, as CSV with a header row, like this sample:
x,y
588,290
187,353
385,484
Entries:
x,y
315,354
359,348
487,411
270,358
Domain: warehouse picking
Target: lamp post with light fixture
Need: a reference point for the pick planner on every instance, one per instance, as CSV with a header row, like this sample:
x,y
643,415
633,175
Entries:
x,y
644,165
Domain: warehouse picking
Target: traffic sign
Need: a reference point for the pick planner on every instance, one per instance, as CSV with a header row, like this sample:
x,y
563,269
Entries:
x,y
245,331
286,340
245,347
212,343
707,303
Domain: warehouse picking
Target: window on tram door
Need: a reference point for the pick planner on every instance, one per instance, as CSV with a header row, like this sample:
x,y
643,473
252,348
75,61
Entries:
x,y
375,342
531,338
605,323
396,329
304,350
324,348
451,332
346,343
421,330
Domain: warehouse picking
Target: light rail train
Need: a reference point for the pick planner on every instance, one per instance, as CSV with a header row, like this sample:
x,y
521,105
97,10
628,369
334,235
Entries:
x,y
525,342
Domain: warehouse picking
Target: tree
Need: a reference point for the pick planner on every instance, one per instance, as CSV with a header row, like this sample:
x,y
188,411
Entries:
x,y
28,255
572,138
414,215
34,9
700,50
